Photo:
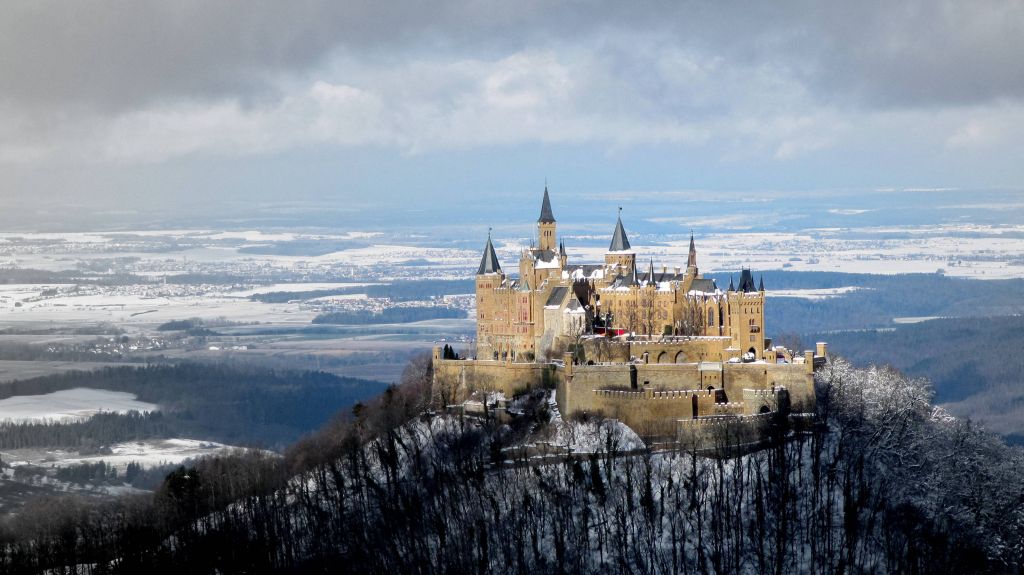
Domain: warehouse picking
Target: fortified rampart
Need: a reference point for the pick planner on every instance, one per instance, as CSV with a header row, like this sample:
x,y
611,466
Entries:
x,y
651,398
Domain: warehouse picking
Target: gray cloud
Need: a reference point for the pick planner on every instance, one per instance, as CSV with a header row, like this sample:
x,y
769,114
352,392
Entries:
x,y
120,55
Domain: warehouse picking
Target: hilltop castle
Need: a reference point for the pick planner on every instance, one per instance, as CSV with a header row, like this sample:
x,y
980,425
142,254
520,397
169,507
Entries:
x,y
663,349
522,318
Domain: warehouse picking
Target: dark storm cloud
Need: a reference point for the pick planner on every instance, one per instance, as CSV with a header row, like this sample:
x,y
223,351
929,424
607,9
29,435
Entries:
x,y
123,55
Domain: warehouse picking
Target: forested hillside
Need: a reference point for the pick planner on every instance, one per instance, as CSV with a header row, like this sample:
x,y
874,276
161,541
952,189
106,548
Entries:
x,y
975,363
228,403
889,483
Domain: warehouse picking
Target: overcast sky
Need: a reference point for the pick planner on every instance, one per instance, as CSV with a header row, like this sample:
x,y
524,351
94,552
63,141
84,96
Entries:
x,y
138,103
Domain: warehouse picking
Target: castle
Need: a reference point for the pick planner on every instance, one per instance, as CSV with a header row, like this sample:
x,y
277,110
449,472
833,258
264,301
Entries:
x,y
661,349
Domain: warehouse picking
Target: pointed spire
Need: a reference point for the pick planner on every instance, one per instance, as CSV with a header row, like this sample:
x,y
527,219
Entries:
x,y
732,286
561,249
546,215
650,273
760,287
620,243
746,281
692,260
524,284
489,262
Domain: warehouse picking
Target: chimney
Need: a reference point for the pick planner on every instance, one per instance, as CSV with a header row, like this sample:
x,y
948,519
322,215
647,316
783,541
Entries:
x,y
821,349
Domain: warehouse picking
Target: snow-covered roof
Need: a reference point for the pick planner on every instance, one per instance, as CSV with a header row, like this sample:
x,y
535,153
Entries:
x,y
547,265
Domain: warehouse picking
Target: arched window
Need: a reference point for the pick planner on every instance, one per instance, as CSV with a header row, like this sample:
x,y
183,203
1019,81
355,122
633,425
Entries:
x,y
711,317
663,357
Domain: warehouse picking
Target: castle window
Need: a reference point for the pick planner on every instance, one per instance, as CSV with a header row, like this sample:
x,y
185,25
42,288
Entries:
x,y
711,317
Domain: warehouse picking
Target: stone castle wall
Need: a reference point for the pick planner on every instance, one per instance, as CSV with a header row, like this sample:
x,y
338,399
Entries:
x,y
649,398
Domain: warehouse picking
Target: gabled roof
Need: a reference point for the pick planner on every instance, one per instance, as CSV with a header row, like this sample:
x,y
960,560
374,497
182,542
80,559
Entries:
x,y
557,296
623,281
546,216
747,281
574,306
620,243
524,285
706,285
489,262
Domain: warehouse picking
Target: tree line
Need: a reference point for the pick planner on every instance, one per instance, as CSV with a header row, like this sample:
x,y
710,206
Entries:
x,y
390,315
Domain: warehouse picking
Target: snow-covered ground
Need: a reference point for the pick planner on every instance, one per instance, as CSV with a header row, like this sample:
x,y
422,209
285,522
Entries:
x,y
813,294
69,405
149,453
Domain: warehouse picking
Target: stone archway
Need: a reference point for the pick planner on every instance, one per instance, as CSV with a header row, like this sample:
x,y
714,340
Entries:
x,y
663,357
680,357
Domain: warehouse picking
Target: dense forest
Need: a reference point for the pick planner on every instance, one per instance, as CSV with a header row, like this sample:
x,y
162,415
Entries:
x,y
888,483
228,403
90,435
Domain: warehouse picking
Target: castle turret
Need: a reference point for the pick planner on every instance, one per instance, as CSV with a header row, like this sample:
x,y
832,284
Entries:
x,y
490,312
746,314
691,260
489,262
619,252
546,225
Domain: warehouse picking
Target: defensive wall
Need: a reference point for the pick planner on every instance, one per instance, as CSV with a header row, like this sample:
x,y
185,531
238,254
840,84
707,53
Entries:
x,y
651,398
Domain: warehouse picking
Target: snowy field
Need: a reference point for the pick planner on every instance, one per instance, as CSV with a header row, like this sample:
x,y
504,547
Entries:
x,y
813,294
149,453
69,405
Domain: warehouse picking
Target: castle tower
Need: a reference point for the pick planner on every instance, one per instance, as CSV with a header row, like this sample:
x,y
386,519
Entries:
x,y
746,314
489,307
546,225
619,252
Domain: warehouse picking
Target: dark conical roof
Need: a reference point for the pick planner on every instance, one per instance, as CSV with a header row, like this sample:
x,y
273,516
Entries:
x,y
747,281
546,216
489,262
650,272
760,287
561,248
732,286
691,261
620,243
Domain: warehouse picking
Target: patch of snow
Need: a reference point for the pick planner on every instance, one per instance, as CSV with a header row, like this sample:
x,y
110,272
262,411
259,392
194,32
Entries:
x,y
70,405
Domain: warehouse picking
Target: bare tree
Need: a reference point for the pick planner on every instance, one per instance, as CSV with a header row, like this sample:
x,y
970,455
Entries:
x,y
631,315
691,319
648,310
576,329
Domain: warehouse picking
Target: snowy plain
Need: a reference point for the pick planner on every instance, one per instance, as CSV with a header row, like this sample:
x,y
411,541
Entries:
x,y
70,405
